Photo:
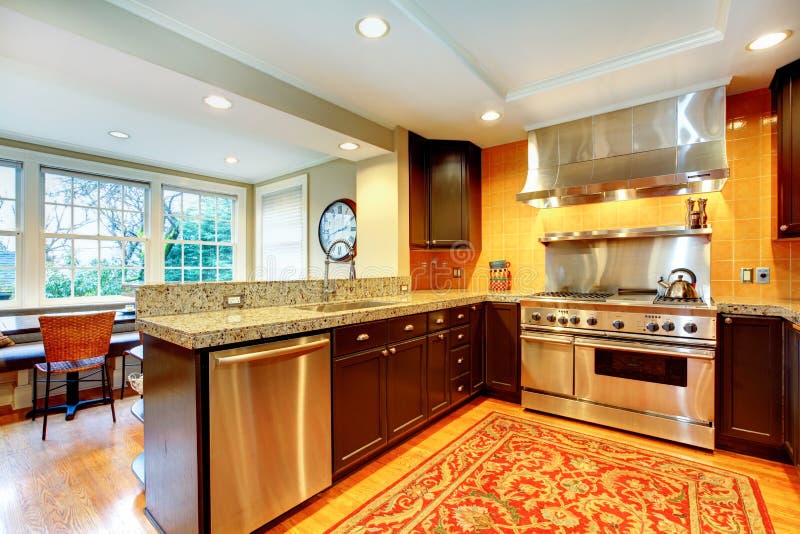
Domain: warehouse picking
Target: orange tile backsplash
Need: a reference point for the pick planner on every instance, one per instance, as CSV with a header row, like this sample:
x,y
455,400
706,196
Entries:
x,y
742,215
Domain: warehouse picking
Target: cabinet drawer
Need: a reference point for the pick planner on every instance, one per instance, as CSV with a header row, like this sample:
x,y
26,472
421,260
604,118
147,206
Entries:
x,y
459,336
459,388
459,316
358,337
459,361
437,320
407,327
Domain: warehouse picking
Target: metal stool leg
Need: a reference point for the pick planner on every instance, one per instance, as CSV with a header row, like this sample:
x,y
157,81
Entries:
x,y
46,403
111,395
35,402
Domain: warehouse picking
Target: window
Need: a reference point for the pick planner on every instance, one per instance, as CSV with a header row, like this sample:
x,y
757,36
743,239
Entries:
x,y
94,234
281,232
9,228
198,236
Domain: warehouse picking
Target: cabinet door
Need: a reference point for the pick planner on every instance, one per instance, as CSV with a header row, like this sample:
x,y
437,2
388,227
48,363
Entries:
x,y
792,398
476,347
418,191
359,407
438,384
502,349
749,401
406,390
785,88
446,188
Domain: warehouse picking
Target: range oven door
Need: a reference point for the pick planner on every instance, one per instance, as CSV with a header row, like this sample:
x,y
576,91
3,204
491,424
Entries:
x,y
669,380
547,363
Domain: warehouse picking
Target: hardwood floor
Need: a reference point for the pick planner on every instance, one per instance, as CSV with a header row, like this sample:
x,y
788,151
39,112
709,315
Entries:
x,y
79,480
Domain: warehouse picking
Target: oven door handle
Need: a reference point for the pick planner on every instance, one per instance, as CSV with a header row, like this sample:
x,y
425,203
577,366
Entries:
x,y
647,348
558,340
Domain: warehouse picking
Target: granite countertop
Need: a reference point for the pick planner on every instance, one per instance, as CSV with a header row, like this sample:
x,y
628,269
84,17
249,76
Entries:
x,y
211,329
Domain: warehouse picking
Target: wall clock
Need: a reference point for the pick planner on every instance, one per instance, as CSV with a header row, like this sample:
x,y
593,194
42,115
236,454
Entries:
x,y
338,221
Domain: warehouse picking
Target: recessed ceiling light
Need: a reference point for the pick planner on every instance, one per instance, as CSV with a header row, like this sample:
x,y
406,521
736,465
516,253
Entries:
x,y
348,146
490,115
218,102
232,160
118,134
768,40
372,27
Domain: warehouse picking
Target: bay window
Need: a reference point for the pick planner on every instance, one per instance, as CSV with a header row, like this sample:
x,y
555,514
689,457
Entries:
x,y
9,228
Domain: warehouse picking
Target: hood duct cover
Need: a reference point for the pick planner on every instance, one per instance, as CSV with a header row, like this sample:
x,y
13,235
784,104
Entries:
x,y
669,147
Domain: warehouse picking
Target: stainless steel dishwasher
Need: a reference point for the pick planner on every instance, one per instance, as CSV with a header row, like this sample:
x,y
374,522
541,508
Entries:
x,y
269,430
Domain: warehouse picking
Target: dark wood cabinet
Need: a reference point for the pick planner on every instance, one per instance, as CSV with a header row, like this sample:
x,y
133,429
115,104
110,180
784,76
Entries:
x,y
438,383
749,386
785,89
502,351
406,387
791,416
445,193
476,348
359,400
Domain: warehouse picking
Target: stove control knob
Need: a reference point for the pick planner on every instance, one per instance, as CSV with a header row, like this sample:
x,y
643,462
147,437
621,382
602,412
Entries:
x,y
562,319
536,316
591,321
652,327
574,319
669,326
550,317
690,328
618,324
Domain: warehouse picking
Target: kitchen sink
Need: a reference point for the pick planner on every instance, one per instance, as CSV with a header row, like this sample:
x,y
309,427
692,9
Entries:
x,y
342,306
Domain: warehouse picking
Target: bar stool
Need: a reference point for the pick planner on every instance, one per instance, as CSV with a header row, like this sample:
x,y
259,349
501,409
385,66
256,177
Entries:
x,y
137,353
74,344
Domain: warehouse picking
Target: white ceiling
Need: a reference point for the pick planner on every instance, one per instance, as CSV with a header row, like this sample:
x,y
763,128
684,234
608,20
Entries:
x,y
442,64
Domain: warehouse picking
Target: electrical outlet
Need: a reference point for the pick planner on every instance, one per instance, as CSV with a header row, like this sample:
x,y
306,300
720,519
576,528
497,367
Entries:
x,y
403,287
233,301
746,275
762,275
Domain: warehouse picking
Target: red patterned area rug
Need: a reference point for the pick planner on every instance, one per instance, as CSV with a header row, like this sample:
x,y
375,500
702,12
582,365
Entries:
x,y
507,474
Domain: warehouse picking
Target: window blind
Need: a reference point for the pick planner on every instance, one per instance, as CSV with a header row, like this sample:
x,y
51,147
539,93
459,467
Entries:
x,y
283,234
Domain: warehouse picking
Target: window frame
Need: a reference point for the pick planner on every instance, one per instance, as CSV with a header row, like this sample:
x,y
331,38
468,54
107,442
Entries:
x,y
17,234
100,178
232,243
271,187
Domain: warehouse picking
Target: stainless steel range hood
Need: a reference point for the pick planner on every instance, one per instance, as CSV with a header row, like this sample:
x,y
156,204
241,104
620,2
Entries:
x,y
669,147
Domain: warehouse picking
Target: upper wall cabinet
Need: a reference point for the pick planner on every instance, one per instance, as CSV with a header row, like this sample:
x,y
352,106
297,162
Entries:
x,y
785,89
445,193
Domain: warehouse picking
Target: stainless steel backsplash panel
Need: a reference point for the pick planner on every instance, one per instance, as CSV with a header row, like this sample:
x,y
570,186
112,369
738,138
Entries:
x,y
626,263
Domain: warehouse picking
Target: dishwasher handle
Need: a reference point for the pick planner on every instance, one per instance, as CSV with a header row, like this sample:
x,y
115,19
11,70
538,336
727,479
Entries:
x,y
291,350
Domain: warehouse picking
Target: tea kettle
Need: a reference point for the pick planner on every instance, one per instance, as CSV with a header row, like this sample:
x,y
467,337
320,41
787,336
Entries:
x,y
680,288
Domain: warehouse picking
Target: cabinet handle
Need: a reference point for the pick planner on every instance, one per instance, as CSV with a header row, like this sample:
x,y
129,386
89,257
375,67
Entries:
x,y
440,336
409,327
385,352
728,320
440,321
783,228
392,350
460,361
362,337
460,388
460,337
433,242
473,308
460,316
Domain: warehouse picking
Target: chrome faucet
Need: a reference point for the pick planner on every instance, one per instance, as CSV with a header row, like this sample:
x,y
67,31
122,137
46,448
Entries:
x,y
328,285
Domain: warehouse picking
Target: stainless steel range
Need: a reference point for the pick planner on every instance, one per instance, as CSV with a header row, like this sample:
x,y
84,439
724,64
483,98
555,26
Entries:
x,y
630,359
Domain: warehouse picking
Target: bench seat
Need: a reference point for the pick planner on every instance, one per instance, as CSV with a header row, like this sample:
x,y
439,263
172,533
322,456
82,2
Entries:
x,y
24,355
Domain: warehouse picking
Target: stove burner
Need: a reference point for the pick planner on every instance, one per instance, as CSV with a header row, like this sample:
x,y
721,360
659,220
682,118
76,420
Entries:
x,y
573,295
661,299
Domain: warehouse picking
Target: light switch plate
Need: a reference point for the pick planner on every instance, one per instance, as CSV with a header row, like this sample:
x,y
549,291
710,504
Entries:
x,y
746,275
762,275
233,301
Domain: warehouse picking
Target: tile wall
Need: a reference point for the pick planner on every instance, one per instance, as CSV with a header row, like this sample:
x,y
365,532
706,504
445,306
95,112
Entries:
x,y
742,215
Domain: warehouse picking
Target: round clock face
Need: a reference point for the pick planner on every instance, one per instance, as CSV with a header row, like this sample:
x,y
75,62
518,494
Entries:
x,y
338,221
